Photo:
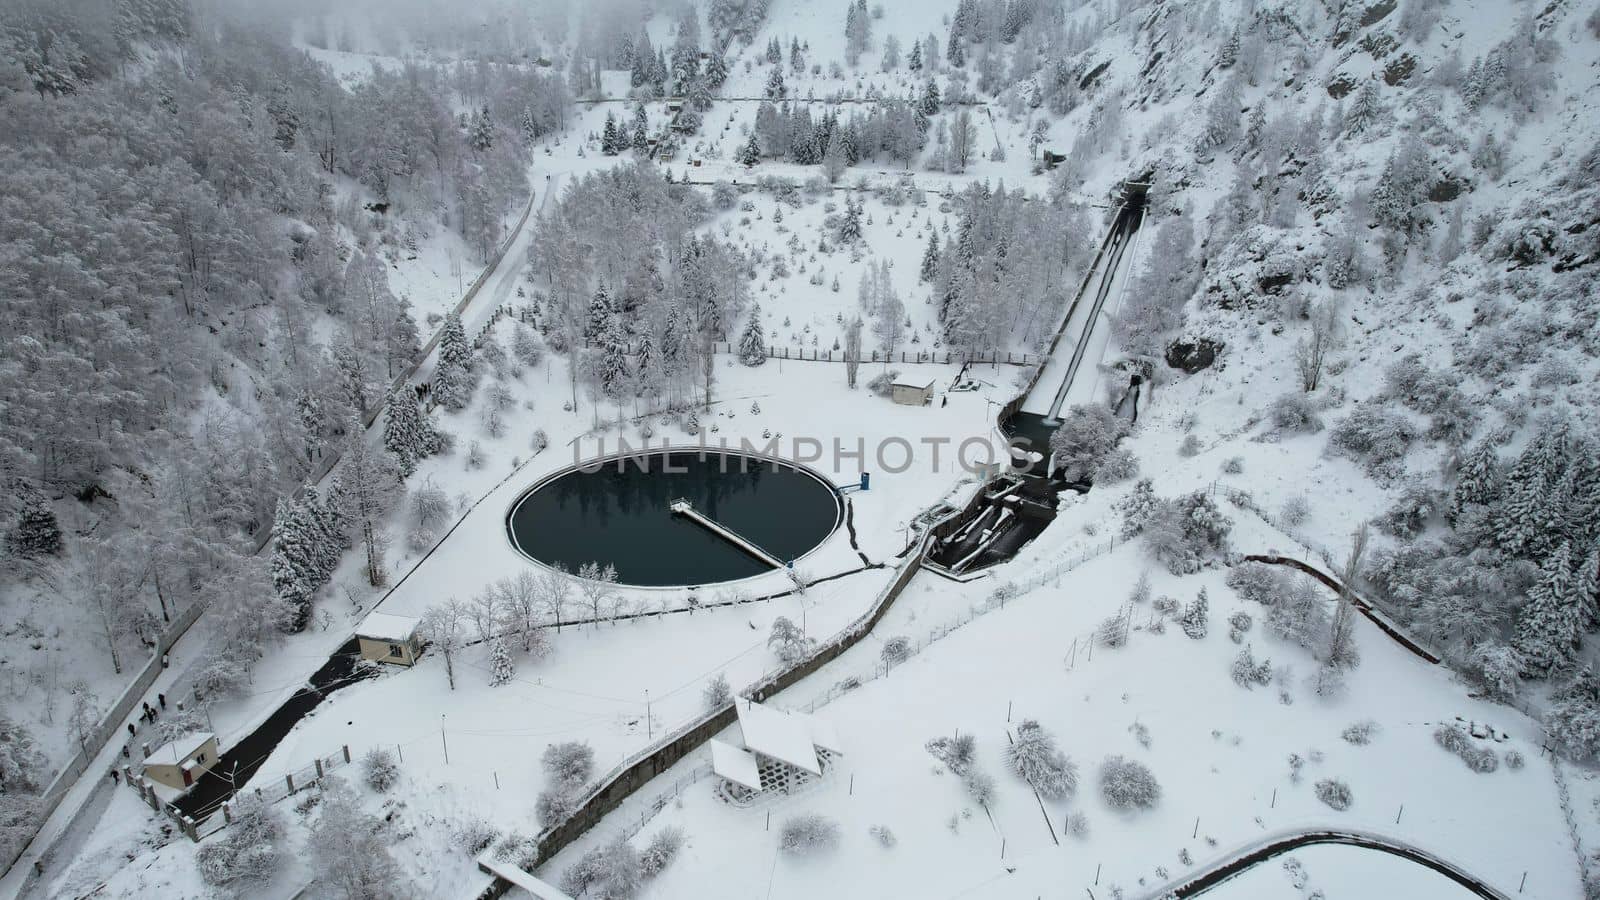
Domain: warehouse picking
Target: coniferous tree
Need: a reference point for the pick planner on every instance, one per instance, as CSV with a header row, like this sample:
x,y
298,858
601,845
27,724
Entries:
x,y
295,576
752,344
480,137
641,129
930,258
1588,586
1527,492
914,61
750,153
328,538
36,532
1549,626
850,222
1196,616
453,346
776,90
407,433
501,669
930,98
614,372
1477,479
611,141
599,316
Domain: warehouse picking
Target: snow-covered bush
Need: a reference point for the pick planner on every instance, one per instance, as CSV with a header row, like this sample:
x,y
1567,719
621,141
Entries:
x,y
883,836
1247,672
1233,466
896,650
379,770
1361,733
1118,465
472,834
1128,784
1497,668
1514,760
1137,508
1376,437
1335,793
1113,630
1033,757
1409,514
881,383
247,852
1190,446
1238,625
1296,510
1294,412
1196,619
661,851
808,834
717,693
569,762
1183,530
957,753
554,806
1141,734
430,505
611,871
1257,582
517,848
979,784
787,641
1300,616
1457,740
1086,435
1077,825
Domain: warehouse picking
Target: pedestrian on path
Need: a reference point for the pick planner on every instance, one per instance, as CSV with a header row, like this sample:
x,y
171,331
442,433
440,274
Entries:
x,y
132,731
163,699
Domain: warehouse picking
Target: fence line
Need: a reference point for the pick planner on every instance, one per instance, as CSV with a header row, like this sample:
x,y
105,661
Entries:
x,y
999,600
274,792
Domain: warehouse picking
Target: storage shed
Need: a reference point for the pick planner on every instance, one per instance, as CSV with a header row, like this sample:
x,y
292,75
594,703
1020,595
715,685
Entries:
x,y
180,762
912,392
388,638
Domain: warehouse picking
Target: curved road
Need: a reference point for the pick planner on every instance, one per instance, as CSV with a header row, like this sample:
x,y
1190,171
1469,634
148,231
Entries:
x,y
1271,847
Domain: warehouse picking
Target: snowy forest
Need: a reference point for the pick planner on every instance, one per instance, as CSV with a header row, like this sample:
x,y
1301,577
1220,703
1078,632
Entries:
x,y
300,305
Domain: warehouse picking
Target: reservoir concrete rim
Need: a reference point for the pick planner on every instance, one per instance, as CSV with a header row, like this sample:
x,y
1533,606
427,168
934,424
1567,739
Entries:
x,y
592,511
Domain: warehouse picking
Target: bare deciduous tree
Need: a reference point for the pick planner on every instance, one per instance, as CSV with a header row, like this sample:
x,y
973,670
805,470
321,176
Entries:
x,y
852,350
555,586
1341,638
1311,353
444,626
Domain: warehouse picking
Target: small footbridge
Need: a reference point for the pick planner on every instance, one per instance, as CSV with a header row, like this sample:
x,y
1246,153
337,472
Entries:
x,y
684,508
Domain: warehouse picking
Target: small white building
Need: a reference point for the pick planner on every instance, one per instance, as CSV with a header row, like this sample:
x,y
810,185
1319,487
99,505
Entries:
x,y
782,752
389,638
181,761
912,392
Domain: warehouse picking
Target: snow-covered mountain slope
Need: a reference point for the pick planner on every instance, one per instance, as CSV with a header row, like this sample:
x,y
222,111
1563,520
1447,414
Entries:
x,y
1378,219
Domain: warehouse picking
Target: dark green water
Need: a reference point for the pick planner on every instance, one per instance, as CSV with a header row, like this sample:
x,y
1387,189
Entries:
x,y
619,515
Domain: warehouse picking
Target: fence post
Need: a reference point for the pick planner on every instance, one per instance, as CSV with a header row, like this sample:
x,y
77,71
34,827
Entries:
x,y
289,780
227,812
319,768
347,753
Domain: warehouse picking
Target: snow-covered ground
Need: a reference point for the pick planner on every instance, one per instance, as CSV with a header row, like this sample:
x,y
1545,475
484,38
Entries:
x,y
1221,752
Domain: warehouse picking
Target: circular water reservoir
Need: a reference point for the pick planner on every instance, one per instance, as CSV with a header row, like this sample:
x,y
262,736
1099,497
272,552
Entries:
x,y
620,512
